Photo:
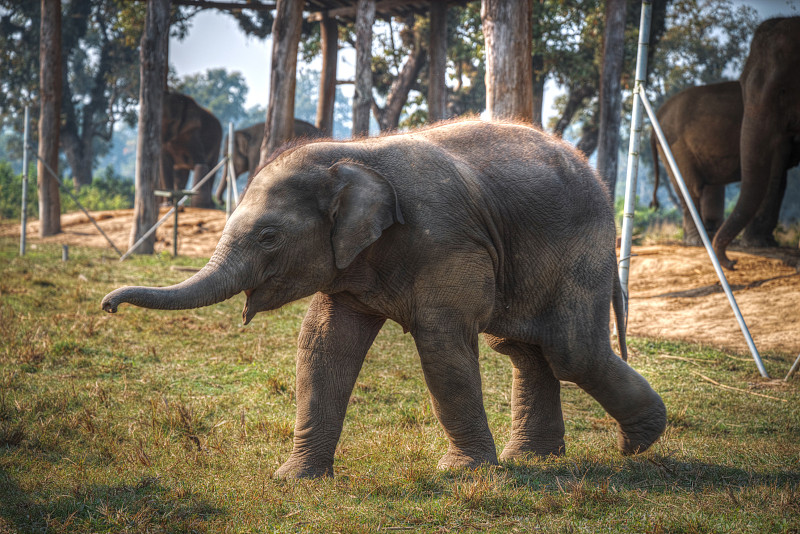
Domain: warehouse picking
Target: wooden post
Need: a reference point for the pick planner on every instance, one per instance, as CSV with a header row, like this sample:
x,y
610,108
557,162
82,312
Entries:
x,y
49,116
362,100
286,28
329,35
509,77
610,93
437,90
153,65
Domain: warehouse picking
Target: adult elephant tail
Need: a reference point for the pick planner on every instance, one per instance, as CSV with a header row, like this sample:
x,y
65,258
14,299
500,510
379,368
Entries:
x,y
620,316
654,148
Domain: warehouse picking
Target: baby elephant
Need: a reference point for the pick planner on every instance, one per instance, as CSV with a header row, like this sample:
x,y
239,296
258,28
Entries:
x,y
451,231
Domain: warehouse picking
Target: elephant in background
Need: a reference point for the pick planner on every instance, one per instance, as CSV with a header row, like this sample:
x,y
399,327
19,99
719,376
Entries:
x,y
770,134
702,126
247,150
190,137
449,231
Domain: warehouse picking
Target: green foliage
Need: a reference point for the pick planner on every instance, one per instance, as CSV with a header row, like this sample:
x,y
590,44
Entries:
x,y
11,192
174,421
646,220
106,192
705,41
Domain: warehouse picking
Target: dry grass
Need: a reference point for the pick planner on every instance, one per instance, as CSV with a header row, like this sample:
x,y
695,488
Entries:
x,y
175,421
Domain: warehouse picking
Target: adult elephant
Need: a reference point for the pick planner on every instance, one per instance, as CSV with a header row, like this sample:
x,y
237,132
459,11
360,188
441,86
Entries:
x,y
770,137
450,231
702,126
247,150
190,137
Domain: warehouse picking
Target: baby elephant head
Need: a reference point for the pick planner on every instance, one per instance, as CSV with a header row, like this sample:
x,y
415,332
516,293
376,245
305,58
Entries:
x,y
296,229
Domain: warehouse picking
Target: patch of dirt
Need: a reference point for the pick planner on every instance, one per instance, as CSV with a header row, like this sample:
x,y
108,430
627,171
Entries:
x,y
675,293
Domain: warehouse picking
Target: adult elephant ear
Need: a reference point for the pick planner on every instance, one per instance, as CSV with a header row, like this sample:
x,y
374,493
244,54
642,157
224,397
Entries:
x,y
364,205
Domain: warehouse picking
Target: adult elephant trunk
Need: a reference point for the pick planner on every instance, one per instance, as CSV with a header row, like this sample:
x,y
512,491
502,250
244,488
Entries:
x,y
760,152
222,277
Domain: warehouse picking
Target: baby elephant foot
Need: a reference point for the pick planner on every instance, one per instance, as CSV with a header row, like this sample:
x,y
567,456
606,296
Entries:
x,y
460,458
522,449
637,434
302,468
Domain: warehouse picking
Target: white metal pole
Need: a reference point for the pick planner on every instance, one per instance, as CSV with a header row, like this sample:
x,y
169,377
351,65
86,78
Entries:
x,y
676,173
23,231
633,151
231,178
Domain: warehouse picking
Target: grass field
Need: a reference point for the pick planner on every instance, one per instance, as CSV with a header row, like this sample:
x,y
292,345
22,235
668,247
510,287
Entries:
x,y
165,421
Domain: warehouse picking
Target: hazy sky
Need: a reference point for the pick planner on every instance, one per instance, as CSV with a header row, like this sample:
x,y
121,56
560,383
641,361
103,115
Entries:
x,y
215,40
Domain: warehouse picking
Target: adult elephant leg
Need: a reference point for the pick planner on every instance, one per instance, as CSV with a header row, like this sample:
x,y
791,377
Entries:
x,y
759,233
203,197
763,156
449,357
166,177
181,178
712,207
691,237
332,345
621,391
537,422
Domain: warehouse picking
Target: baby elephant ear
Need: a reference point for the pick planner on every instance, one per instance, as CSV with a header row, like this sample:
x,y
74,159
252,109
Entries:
x,y
365,204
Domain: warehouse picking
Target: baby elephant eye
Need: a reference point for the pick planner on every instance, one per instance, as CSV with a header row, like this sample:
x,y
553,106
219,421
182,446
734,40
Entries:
x,y
268,236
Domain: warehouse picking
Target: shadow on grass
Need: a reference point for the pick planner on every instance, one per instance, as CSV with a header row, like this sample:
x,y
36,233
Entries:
x,y
145,506
652,472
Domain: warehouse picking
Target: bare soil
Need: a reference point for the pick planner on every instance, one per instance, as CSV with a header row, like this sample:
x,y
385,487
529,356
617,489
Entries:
x,y
675,293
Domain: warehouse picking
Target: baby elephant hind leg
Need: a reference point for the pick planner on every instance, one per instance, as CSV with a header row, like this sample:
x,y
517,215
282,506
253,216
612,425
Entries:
x,y
621,391
537,422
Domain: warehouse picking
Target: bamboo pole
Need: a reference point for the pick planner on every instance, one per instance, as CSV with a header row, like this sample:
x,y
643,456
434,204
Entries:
x,y
23,231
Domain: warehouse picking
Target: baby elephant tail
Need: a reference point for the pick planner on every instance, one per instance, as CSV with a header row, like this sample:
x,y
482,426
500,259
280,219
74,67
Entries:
x,y
620,316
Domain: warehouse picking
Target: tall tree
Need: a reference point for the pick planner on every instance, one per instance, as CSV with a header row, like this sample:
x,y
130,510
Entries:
x,y
280,112
509,79
153,70
610,92
362,100
392,81
49,116
437,90
99,75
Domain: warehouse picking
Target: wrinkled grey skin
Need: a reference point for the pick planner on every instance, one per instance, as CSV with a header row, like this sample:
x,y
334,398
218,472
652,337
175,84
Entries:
x,y
460,229
247,150
770,138
702,126
190,137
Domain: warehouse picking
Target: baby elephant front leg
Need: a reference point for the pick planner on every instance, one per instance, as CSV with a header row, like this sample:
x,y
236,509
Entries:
x,y
333,343
453,378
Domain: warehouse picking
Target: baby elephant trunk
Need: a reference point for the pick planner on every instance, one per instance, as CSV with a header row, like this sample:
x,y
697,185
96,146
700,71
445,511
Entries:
x,y
215,282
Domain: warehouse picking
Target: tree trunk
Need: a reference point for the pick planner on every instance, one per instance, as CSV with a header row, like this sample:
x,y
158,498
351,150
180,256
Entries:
x,y
79,159
389,117
610,93
329,36
49,116
437,90
539,77
509,81
153,59
575,98
286,28
362,100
